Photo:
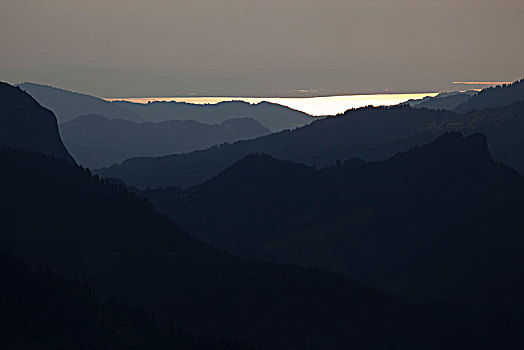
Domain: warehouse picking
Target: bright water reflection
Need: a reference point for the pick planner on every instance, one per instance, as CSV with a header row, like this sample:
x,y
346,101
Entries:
x,y
329,105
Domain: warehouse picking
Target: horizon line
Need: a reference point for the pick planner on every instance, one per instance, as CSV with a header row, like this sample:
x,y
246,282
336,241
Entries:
x,y
483,82
120,98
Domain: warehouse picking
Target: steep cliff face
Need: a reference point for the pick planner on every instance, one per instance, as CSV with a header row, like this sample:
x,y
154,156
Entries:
x,y
26,125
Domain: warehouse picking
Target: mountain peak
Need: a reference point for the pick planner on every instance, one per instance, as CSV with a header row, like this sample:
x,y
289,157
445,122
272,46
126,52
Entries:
x,y
476,142
452,152
455,137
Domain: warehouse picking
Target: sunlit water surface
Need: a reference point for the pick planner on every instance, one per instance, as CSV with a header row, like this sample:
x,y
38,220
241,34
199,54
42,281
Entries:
x,y
329,105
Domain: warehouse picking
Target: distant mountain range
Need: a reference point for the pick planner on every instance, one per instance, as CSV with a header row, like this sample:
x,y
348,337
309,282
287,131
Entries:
x,y
96,141
443,101
370,133
55,214
102,142
273,116
493,97
26,125
412,224
467,101
99,133
68,105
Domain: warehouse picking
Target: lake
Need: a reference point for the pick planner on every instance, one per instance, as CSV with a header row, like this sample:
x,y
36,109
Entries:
x,y
328,105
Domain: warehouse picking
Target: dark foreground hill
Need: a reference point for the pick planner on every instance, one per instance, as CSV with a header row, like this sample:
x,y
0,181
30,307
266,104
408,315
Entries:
x,y
27,125
68,105
371,133
56,214
40,311
96,141
442,221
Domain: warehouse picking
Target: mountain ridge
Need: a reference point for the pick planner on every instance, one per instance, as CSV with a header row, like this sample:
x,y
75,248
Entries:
x,y
380,222
57,215
68,104
498,96
107,141
25,124
371,133
272,116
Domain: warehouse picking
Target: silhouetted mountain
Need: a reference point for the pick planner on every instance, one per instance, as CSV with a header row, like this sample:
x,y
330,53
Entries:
x,y
26,125
443,101
367,132
68,105
273,116
440,221
504,128
499,96
96,141
119,245
40,311
371,133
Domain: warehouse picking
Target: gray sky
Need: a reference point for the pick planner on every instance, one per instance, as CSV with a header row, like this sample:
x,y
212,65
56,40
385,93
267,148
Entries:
x,y
260,47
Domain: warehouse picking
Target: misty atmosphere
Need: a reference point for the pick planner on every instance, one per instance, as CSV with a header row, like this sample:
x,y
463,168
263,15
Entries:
x,y
261,175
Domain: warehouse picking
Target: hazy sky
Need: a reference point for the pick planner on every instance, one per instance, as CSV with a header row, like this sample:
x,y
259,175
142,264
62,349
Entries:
x,y
260,47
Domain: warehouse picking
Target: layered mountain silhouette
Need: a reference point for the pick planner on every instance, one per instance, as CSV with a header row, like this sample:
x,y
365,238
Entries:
x,y
27,125
367,132
56,215
273,116
40,311
120,246
439,221
68,105
96,141
499,96
371,133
